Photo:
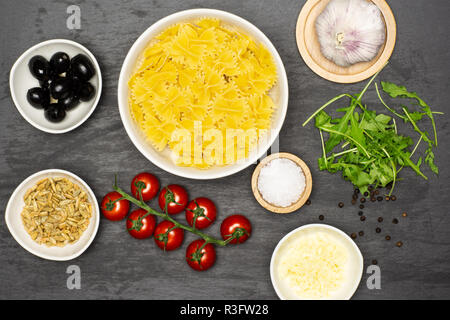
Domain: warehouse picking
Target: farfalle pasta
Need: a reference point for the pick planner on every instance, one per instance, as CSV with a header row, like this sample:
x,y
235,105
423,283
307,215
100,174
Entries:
x,y
202,89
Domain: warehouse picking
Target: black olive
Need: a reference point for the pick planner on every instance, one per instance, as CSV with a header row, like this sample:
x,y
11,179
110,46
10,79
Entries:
x,y
69,103
86,92
38,97
60,88
60,62
82,67
55,113
39,67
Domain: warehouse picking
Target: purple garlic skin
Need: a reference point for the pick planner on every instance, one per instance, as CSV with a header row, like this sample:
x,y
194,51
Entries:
x,y
350,31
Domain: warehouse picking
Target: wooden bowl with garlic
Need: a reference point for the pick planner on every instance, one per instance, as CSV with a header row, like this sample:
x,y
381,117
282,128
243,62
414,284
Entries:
x,y
346,41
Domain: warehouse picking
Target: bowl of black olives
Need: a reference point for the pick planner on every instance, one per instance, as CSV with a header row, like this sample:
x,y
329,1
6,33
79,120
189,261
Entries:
x,y
56,85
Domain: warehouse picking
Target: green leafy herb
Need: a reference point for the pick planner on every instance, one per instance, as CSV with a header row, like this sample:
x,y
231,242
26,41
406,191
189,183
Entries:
x,y
365,146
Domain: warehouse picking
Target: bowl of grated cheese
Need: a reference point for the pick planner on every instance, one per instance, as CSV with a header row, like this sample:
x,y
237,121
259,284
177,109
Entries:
x,y
316,262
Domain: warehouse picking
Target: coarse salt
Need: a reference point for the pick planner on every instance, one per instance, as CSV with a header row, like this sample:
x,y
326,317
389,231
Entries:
x,y
281,182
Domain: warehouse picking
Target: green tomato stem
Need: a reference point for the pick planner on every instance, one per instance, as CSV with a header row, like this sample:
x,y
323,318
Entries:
x,y
165,216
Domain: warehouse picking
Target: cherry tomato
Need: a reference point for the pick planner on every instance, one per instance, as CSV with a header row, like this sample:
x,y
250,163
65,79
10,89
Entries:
x,y
150,186
177,199
168,241
236,223
139,225
112,209
203,259
203,211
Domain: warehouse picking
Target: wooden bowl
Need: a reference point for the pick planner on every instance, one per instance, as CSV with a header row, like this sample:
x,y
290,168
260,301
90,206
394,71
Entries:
x,y
309,46
303,197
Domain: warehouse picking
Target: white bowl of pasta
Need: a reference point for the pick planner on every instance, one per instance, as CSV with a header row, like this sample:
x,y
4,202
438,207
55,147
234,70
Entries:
x,y
203,93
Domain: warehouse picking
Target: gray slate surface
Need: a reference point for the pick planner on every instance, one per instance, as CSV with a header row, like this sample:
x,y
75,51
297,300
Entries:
x,y
117,266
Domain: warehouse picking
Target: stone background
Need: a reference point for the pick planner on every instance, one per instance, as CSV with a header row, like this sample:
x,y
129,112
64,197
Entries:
x,y
117,266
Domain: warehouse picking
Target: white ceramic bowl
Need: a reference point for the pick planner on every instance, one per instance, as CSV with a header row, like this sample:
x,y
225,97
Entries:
x,y
279,93
20,80
15,225
354,268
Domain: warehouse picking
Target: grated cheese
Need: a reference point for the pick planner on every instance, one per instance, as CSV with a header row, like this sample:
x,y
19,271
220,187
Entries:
x,y
314,265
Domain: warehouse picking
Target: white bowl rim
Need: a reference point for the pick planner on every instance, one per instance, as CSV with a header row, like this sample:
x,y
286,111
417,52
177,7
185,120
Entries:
x,y
179,170
40,254
311,226
94,104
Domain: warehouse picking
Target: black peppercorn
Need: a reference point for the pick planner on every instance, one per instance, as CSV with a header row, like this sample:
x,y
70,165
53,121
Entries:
x,y
308,202
377,230
393,198
361,206
321,217
388,238
395,221
341,204
362,218
377,192
380,219
362,200
353,201
373,199
399,244
380,198
374,261
366,194
361,233
360,213
387,198
353,235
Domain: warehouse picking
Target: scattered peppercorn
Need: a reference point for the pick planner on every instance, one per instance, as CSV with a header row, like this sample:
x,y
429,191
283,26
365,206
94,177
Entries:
x,y
321,217
341,204
362,218
393,198
308,202
356,191
370,188
377,230
361,233
366,194
399,244
387,198
361,206
374,261
395,221
380,198
360,213
353,235
404,214
354,196
353,201
380,219
377,192
362,200
373,199
388,238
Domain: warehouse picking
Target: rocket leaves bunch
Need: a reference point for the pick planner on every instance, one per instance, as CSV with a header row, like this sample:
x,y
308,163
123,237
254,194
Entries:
x,y
365,145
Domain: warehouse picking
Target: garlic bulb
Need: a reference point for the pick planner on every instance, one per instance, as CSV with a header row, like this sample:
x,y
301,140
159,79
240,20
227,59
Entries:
x,y
350,31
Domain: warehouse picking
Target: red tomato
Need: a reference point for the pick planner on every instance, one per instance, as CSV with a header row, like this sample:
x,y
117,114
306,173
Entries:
x,y
176,196
140,225
203,211
171,240
238,225
150,186
112,209
203,259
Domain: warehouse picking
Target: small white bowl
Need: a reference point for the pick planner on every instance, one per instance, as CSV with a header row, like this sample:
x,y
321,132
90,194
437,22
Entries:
x,y
15,225
353,272
279,94
21,79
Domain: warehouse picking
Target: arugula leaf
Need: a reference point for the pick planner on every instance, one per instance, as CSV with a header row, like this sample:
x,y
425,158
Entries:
x,y
370,148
